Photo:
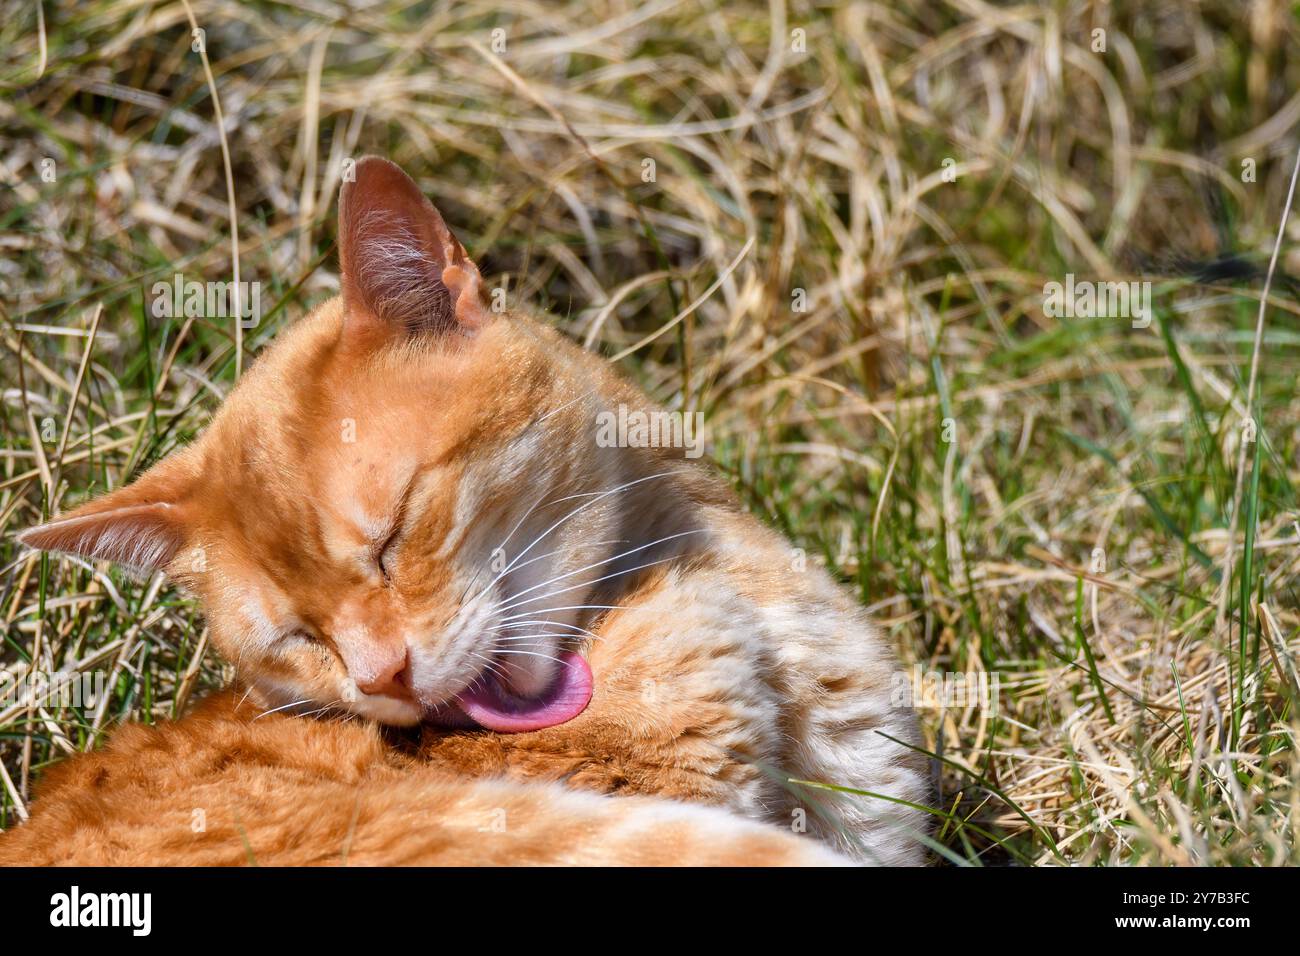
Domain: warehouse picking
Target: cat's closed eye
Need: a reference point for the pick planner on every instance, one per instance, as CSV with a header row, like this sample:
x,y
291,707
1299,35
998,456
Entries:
x,y
385,557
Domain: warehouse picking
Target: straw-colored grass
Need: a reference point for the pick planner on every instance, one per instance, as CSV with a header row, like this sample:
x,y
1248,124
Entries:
x,y
1046,499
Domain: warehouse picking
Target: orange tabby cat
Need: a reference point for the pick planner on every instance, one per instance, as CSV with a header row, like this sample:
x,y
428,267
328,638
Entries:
x,y
404,512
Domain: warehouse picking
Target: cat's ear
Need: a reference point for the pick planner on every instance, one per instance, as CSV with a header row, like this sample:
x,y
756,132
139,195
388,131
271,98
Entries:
x,y
403,271
140,526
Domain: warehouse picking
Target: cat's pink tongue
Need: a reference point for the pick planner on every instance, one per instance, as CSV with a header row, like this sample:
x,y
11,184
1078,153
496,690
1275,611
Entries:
x,y
490,707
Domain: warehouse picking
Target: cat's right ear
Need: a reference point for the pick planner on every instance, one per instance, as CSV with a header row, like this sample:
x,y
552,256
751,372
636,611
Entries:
x,y
141,526
403,272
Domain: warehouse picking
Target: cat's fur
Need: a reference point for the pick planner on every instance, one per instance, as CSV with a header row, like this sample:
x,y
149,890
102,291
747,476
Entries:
x,y
223,788
405,473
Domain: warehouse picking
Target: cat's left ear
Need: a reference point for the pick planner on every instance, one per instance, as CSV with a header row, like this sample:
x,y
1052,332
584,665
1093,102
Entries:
x,y
141,526
403,272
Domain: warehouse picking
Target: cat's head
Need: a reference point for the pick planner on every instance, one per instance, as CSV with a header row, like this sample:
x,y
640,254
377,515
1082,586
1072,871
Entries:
x,y
400,511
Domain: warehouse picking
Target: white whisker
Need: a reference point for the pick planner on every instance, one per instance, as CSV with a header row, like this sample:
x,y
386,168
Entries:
x,y
529,637
556,411
605,561
575,607
551,554
535,654
576,511
543,597
321,710
305,700
490,665
501,547
571,627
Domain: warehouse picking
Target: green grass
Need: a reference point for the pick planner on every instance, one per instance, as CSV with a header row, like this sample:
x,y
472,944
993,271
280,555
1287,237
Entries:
x,y
1147,710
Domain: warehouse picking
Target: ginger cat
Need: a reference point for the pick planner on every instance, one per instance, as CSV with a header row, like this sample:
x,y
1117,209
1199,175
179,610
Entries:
x,y
403,513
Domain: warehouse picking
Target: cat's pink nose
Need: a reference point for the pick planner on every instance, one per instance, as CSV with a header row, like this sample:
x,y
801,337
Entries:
x,y
384,670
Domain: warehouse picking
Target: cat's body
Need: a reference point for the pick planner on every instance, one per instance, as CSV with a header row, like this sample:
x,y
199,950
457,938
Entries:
x,y
404,512
722,678
224,788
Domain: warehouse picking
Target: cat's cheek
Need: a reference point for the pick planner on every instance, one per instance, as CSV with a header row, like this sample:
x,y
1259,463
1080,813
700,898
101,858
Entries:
x,y
268,694
293,674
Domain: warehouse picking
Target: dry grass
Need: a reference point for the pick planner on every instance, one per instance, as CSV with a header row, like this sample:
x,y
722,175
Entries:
x,y
1146,710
